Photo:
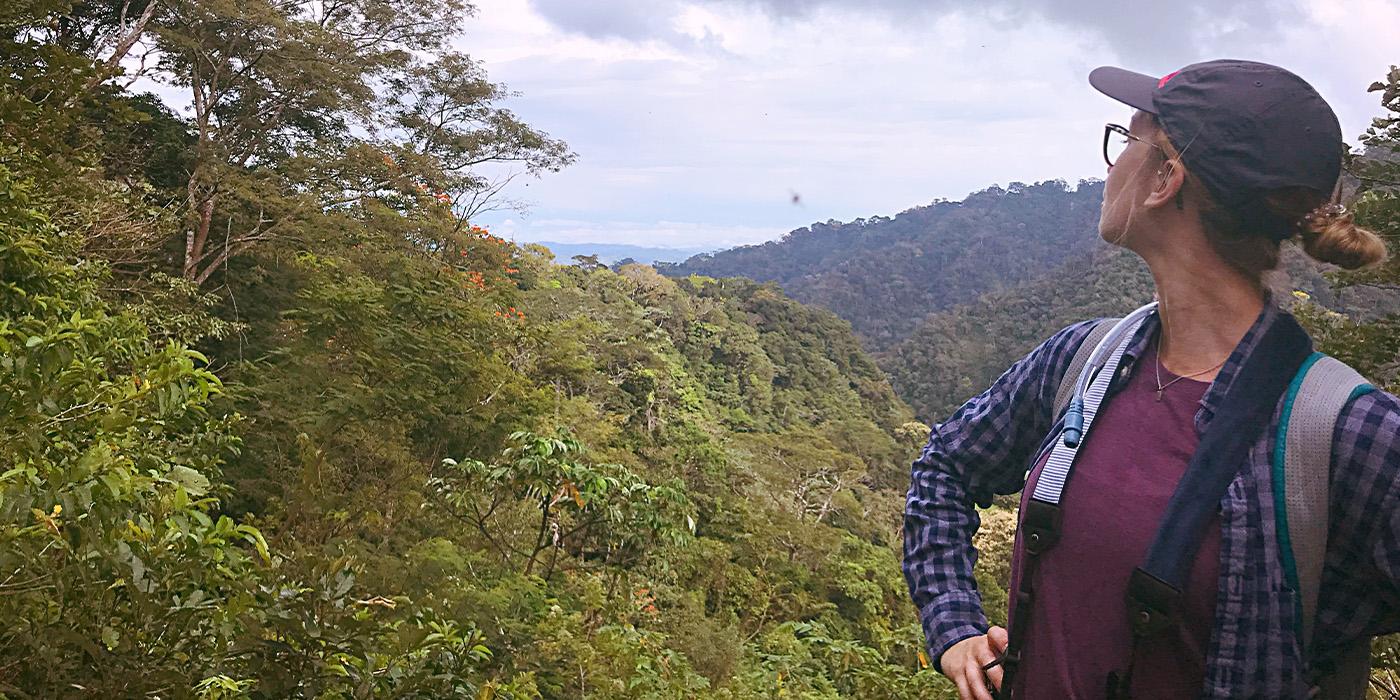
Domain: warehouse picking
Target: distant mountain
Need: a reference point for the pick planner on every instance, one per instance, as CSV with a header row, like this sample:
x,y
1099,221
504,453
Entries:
x,y
948,295
955,354
609,253
885,274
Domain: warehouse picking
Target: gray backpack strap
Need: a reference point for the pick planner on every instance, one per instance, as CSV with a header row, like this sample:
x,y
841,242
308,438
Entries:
x,y
1081,357
1302,466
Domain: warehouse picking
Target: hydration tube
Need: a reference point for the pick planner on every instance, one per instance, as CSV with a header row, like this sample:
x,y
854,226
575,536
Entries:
x,y
1074,418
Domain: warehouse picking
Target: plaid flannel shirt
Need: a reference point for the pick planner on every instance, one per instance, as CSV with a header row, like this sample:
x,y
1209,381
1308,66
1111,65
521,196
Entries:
x,y
986,446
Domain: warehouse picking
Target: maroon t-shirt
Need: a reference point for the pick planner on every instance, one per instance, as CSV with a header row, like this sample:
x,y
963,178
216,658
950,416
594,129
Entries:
x,y
1124,476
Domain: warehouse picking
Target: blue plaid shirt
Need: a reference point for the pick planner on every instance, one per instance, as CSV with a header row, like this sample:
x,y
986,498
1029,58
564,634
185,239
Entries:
x,y
986,446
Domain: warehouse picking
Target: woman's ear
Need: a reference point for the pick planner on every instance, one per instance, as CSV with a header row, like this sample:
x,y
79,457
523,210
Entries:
x,y
1171,178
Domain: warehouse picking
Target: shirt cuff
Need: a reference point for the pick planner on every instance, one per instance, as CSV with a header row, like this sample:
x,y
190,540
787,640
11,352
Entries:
x,y
950,618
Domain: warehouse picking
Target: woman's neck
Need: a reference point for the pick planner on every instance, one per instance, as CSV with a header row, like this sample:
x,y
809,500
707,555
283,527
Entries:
x,y
1206,307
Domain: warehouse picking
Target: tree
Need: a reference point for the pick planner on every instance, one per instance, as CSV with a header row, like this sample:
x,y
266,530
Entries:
x,y
597,512
269,81
1371,346
589,263
296,107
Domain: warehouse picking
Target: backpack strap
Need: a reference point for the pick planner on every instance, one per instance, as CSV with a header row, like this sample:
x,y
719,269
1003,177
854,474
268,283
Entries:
x,y
1039,521
1100,329
1302,463
1155,589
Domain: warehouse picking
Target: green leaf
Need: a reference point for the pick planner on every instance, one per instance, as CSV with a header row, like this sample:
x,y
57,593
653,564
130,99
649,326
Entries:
x,y
195,483
254,536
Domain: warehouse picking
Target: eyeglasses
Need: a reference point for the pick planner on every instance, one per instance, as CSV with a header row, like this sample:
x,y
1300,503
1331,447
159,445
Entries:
x,y
1116,139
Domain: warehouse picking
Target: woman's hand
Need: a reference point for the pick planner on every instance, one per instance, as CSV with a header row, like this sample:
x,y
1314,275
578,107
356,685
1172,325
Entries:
x,y
963,663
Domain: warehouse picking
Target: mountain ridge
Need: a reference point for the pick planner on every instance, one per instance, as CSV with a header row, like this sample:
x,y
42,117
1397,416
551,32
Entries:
x,y
885,274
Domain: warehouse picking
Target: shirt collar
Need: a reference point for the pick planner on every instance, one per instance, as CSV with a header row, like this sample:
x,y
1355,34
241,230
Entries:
x,y
1231,369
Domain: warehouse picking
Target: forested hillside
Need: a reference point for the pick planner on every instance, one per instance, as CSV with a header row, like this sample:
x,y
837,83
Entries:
x,y
886,274
955,354
280,421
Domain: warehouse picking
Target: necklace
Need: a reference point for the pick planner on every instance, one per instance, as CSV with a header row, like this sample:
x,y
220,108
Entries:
x,y
1158,368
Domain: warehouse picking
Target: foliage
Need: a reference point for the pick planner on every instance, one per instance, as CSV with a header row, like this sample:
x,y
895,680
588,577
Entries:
x,y
120,575
1371,344
602,513
955,354
420,461
109,556
280,421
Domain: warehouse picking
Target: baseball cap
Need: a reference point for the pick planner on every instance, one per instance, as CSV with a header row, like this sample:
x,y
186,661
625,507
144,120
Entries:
x,y
1244,128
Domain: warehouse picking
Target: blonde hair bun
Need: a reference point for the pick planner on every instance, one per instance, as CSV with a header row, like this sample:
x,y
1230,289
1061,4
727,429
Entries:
x,y
1330,235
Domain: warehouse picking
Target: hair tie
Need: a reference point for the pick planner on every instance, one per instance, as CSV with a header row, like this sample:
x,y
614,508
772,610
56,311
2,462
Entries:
x,y
1330,210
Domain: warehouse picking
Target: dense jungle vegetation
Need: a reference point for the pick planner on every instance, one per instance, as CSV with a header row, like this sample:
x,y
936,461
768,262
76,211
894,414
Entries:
x,y
278,420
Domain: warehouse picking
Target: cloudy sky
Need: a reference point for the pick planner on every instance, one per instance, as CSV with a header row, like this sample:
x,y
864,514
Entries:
x,y
697,121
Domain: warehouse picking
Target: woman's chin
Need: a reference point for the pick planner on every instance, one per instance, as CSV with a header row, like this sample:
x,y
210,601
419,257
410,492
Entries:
x,y
1108,235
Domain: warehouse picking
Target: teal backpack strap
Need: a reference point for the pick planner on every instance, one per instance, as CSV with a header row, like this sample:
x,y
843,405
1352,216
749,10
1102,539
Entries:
x,y
1302,467
1076,365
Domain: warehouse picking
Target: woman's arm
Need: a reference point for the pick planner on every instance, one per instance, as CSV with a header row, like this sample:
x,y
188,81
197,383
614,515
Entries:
x,y
983,449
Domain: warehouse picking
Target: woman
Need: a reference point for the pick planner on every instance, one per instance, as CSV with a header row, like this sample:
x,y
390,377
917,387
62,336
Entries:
x,y
1221,163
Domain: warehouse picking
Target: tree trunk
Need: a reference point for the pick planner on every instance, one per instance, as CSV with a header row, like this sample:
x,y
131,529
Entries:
x,y
195,240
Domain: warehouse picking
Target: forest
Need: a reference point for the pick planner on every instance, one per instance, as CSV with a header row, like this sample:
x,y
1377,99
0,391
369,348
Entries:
x,y
279,419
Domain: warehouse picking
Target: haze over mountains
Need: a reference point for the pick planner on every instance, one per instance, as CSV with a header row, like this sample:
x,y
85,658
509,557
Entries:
x,y
610,253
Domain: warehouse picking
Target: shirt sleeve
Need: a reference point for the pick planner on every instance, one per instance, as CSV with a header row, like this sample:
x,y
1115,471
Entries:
x,y
1364,549
983,449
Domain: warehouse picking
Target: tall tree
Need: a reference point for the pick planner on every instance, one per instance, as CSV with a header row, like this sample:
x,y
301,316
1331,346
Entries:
x,y
296,107
269,79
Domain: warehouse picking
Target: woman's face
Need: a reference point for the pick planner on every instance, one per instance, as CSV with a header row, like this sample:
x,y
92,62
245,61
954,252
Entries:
x,y
1129,181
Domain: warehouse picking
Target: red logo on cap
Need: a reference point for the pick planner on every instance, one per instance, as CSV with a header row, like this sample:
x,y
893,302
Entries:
x,y
1167,77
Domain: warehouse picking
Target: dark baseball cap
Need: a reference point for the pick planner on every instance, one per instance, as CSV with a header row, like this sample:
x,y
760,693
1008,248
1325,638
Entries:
x,y
1243,128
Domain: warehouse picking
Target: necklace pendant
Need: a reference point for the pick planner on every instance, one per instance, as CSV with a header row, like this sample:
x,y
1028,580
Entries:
x,y
1159,395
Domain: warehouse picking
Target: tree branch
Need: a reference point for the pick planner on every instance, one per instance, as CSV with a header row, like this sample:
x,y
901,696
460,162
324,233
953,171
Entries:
x,y
133,35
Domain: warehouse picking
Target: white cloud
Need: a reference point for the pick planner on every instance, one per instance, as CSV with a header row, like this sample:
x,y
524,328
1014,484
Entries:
x,y
716,116
1141,29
